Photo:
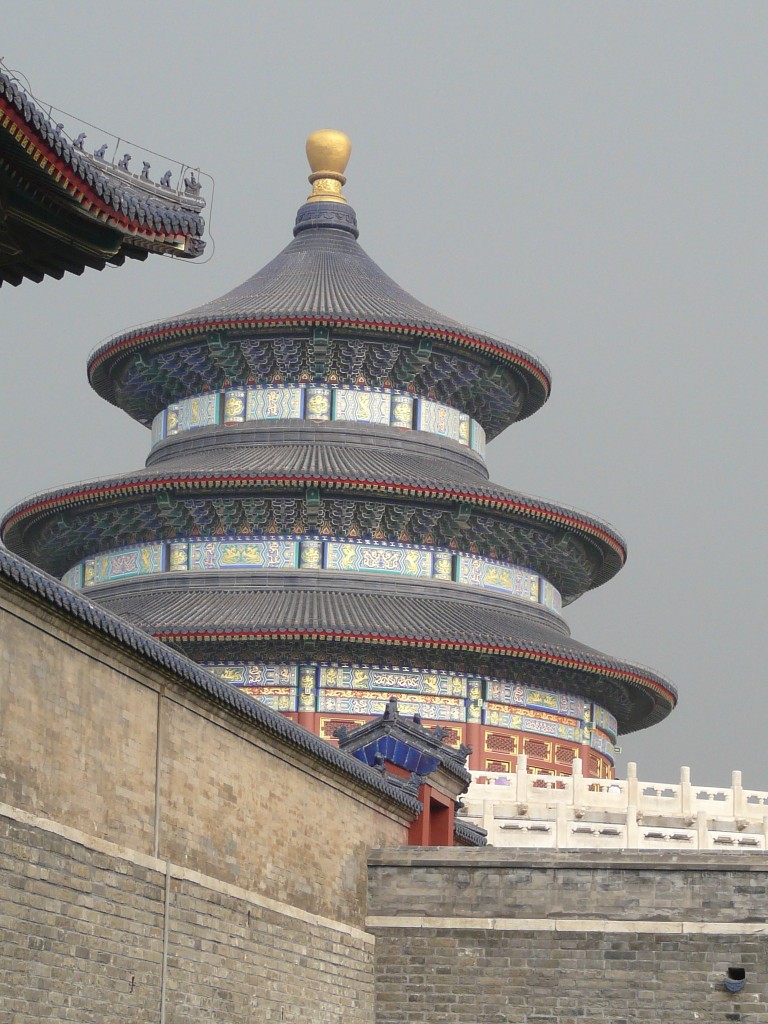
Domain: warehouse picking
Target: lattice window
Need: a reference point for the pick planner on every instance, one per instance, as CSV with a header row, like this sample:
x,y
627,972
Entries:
x,y
595,764
452,737
537,748
503,743
497,766
564,755
329,726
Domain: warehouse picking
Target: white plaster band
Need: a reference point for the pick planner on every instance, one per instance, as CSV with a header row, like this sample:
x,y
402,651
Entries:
x,y
571,924
164,867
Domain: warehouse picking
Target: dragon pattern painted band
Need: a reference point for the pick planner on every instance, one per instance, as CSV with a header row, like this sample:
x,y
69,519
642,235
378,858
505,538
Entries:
x,y
341,555
319,403
436,695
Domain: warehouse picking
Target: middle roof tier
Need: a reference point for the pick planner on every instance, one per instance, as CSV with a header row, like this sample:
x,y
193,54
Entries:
x,y
320,480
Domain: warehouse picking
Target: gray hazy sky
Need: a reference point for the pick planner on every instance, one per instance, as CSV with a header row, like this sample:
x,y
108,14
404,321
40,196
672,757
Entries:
x,y
587,180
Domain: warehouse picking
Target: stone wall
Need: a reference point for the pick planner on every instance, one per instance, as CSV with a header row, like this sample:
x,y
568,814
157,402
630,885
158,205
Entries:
x,y
490,936
95,933
164,858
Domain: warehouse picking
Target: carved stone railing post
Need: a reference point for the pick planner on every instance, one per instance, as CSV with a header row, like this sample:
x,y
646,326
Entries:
x,y
739,803
580,793
633,830
522,778
562,821
687,801
702,831
489,818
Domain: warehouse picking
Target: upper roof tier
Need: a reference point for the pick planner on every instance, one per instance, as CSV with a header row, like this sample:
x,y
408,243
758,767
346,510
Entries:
x,y
322,279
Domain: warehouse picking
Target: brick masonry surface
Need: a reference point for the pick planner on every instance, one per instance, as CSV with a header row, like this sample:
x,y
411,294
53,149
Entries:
x,y
86,937
161,859
101,742
495,937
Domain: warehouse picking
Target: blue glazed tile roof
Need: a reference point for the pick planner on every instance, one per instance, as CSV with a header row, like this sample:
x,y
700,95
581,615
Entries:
x,y
403,741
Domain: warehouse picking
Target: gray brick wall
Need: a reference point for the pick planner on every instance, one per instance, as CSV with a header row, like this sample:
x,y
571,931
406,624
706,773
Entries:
x,y
82,939
233,962
496,937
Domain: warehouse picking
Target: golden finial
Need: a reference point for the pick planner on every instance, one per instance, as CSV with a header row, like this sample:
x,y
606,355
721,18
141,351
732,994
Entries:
x,y
328,154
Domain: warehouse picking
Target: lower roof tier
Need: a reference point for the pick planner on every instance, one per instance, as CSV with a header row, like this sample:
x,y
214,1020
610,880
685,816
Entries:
x,y
305,615
498,719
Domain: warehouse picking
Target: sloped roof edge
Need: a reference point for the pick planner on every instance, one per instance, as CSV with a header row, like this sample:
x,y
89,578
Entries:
x,y
26,577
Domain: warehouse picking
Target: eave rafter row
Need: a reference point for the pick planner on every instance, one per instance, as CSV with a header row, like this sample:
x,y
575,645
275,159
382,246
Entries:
x,y
633,678
142,339
233,482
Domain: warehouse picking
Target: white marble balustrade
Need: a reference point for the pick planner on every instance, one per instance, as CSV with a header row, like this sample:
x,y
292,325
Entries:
x,y
523,809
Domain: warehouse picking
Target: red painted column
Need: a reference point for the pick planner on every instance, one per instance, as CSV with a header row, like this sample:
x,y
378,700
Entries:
x,y
475,730
307,696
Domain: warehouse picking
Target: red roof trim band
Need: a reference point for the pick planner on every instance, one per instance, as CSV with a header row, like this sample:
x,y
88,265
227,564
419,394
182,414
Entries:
x,y
181,329
636,678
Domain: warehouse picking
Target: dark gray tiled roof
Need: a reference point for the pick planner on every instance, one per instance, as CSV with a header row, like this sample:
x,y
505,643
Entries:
x,y
330,467
325,274
331,449
169,216
469,834
424,611
306,600
31,580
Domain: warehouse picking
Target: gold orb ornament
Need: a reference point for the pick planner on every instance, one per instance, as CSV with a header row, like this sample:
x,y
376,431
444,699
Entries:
x,y
328,154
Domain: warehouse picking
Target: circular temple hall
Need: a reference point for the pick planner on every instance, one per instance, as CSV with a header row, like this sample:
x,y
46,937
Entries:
x,y
315,521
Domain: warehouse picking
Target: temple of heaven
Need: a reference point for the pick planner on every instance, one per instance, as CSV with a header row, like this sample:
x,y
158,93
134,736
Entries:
x,y
315,523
